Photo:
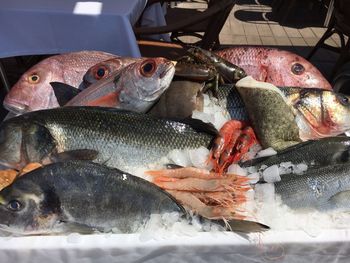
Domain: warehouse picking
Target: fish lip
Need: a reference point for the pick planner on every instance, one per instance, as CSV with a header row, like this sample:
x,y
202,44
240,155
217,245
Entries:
x,y
169,67
15,107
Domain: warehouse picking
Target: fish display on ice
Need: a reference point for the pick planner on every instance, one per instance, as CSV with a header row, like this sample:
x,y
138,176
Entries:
x,y
278,67
33,91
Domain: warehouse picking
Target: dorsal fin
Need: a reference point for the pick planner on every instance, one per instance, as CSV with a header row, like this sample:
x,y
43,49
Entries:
x,y
63,92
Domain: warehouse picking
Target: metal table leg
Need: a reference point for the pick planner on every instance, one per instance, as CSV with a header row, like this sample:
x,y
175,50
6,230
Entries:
x,y
4,78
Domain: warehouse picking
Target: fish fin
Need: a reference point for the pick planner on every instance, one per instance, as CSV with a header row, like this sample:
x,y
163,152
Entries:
x,y
243,226
342,156
259,160
200,126
109,100
64,92
74,227
173,166
81,154
340,200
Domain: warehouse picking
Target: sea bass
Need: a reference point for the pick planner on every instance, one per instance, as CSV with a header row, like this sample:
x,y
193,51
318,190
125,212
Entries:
x,y
279,67
110,136
323,152
80,196
321,188
284,116
33,91
136,87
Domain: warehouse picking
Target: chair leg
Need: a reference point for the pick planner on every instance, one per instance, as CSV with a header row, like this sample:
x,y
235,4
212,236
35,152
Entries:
x,y
344,55
325,36
4,78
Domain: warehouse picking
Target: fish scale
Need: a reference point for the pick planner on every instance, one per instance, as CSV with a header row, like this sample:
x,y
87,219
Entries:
x,y
121,138
68,68
321,188
59,201
275,66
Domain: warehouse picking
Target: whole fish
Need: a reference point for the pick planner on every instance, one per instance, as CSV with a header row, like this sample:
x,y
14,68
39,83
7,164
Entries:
x,y
136,87
279,67
323,152
282,117
110,136
33,91
179,100
106,68
322,188
80,196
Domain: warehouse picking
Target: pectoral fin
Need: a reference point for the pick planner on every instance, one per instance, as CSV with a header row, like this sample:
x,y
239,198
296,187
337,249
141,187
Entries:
x,y
74,227
340,200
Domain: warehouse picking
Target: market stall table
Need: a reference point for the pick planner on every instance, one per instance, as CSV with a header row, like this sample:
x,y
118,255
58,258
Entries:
x,y
50,26
287,246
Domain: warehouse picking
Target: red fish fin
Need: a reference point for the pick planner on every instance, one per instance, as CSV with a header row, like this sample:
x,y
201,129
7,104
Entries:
x,y
110,100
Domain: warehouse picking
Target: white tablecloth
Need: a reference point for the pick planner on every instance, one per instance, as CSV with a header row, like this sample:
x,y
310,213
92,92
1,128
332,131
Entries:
x,y
29,27
291,246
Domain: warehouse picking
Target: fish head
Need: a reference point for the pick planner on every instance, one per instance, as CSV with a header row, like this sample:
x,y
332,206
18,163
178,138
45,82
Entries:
x,y
287,69
105,68
22,142
101,70
143,82
327,113
26,208
33,90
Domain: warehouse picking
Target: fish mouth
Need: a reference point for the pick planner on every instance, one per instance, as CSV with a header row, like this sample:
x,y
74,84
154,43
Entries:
x,y
169,66
15,108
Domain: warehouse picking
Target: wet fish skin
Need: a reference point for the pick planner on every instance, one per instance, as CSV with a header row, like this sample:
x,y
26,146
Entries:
x,y
106,68
76,196
279,67
284,116
122,139
322,188
136,87
229,98
272,118
179,100
33,91
323,152
320,113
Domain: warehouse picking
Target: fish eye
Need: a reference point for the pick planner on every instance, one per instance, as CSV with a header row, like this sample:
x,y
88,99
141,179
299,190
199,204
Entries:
x,y
343,99
298,69
100,72
14,205
34,78
148,68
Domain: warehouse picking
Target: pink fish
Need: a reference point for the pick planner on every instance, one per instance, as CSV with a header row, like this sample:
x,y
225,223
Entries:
x,y
279,67
33,90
